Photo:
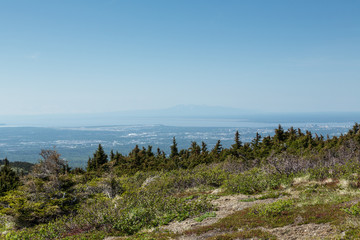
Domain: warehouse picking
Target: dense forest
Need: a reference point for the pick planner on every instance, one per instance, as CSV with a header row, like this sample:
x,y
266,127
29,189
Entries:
x,y
121,195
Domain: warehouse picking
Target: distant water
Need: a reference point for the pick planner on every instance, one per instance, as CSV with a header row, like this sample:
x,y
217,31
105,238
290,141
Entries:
x,y
76,144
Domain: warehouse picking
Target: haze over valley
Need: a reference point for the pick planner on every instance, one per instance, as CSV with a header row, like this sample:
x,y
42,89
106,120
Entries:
x,y
76,136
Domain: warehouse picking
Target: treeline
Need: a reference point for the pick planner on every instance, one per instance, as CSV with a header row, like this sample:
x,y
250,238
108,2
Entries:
x,y
293,142
24,167
129,192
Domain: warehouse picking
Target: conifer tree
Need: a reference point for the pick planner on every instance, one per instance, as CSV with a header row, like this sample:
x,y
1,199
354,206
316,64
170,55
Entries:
x,y
90,165
135,157
174,150
217,148
99,159
112,155
158,152
256,141
203,148
149,152
292,134
195,149
238,143
8,178
279,134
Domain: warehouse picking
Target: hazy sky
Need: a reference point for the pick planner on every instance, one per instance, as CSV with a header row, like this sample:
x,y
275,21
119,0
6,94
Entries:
x,y
99,56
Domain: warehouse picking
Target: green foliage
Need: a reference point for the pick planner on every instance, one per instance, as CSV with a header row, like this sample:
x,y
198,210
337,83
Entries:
x,y
244,234
154,235
271,195
250,199
205,216
19,167
50,166
174,150
253,181
138,210
146,190
320,173
277,214
46,193
353,210
237,145
139,206
98,160
249,182
273,209
8,178
352,234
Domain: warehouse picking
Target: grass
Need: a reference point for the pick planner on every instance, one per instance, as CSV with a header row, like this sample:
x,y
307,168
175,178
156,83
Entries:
x,y
250,199
204,216
278,214
250,234
156,235
159,203
269,195
317,202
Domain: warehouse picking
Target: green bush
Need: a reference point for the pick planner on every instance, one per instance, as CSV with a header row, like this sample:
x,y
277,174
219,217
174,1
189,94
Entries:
x,y
204,216
273,209
253,181
353,210
128,214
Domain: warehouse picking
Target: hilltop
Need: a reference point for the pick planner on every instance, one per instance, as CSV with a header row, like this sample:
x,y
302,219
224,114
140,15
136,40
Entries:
x,y
293,185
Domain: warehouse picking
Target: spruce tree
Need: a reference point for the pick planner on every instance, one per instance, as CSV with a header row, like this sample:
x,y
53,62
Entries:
x,y
174,150
256,141
203,148
217,148
112,155
195,149
149,152
8,178
279,135
237,144
99,159
135,158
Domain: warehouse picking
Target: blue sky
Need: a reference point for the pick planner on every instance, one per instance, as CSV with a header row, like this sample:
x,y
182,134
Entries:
x,y
100,56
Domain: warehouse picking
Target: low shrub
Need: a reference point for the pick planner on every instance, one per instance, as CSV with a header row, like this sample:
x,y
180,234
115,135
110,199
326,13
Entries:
x,y
249,182
204,216
254,181
353,210
273,209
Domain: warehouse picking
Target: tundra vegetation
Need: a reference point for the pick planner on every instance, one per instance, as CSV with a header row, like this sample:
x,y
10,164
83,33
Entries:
x,y
310,179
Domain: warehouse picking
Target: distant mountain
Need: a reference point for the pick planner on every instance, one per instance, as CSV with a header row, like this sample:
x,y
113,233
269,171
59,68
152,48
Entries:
x,y
207,111
180,115
156,116
187,111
